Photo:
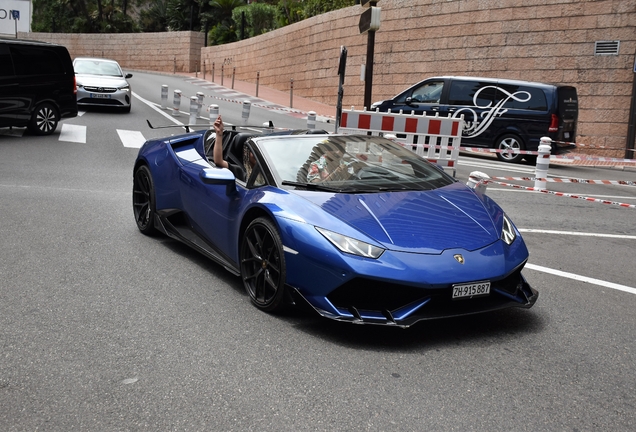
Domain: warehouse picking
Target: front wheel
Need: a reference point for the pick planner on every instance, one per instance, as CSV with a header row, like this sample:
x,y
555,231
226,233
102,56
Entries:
x,y
263,265
44,119
508,144
144,200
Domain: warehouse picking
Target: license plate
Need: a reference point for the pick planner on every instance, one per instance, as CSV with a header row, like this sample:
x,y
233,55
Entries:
x,y
100,96
471,290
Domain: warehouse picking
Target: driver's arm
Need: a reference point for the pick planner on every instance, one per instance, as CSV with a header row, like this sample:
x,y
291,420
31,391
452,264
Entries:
x,y
218,144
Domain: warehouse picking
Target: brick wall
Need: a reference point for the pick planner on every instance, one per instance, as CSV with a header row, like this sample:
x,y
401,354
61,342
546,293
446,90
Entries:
x,y
538,40
161,52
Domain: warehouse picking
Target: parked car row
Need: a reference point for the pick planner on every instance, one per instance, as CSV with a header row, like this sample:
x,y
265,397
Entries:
x,y
39,85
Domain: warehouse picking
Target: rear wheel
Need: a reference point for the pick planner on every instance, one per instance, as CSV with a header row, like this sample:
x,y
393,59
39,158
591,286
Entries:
x,y
263,265
44,119
508,143
144,200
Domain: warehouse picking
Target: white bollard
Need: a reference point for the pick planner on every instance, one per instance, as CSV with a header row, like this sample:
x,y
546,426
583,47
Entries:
x,y
477,180
311,120
194,108
214,113
176,103
246,111
164,96
543,163
200,96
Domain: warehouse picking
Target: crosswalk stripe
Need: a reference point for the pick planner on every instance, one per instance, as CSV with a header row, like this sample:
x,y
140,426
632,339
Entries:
x,y
73,133
131,139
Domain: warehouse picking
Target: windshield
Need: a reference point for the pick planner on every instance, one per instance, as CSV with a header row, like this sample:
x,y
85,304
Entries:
x,y
349,163
97,67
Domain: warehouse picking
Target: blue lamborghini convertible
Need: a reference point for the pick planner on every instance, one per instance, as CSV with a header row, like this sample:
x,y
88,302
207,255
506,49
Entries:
x,y
359,227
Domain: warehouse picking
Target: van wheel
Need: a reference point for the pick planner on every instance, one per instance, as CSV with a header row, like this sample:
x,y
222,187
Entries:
x,y
44,119
510,143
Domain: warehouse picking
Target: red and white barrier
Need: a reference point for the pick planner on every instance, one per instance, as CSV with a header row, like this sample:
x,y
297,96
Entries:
x,y
437,139
567,180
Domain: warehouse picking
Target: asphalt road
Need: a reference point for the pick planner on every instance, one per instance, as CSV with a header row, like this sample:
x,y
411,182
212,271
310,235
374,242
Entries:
x,y
105,329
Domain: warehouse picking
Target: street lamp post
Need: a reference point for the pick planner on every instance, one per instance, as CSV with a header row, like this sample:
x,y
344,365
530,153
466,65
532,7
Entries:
x,y
369,23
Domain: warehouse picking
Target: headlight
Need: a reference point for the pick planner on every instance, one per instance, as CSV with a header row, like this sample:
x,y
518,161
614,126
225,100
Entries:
x,y
350,245
508,233
125,88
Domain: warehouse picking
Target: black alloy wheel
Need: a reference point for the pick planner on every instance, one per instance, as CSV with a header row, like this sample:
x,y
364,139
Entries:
x,y
263,265
44,119
144,200
510,142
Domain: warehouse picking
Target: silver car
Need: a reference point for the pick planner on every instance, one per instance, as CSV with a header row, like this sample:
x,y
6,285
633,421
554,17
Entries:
x,y
101,82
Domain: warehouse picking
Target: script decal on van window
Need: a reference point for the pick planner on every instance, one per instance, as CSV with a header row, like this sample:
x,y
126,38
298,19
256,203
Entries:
x,y
477,127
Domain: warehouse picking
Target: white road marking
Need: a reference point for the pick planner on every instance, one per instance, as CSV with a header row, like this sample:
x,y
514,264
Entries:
x,y
619,197
582,278
73,133
131,139
574,233
158,109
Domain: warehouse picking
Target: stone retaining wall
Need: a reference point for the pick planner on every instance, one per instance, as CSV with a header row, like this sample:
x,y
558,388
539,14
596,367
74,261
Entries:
x,y
161,52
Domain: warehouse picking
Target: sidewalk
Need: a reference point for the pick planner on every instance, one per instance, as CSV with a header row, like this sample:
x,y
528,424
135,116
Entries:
x,y
271,95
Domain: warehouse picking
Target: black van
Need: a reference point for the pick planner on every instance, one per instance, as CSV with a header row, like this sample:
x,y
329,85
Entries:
x,y
37,85
499,113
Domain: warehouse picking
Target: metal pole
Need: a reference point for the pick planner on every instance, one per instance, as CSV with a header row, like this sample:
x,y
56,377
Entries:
x,y
368,72
291,94
233,75
222,72
212,71
258,78
342,66
631,128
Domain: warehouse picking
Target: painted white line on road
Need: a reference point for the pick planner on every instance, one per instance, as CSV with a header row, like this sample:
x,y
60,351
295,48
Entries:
x,y
574,233
582,278
73,133
619,197
131,139
158,109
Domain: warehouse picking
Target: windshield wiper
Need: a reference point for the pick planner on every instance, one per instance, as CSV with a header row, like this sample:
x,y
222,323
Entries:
x,y
315,186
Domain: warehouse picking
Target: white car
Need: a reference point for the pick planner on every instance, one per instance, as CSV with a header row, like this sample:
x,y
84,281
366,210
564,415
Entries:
x,y
101,82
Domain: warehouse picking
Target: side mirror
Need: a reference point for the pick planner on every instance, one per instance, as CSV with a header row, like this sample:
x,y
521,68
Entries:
x,y
409,100
128,75
219,176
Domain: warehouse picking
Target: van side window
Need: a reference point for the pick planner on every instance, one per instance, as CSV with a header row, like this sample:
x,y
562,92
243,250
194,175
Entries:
x,y
523,98
463,93
29,60
6,66
430,92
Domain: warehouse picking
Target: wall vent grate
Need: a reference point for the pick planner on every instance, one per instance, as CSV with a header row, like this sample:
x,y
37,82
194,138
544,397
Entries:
x,y
606,47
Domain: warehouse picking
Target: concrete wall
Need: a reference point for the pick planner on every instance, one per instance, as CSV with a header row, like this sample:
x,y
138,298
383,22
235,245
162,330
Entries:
x,y
538,40
161,52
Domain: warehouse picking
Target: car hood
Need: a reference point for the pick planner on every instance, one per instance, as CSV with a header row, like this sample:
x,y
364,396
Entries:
x,y
100,81
418,221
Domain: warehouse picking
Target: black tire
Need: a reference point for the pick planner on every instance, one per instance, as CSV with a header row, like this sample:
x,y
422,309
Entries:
x,y
144,200
44,119
510,142
263,265
127,109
